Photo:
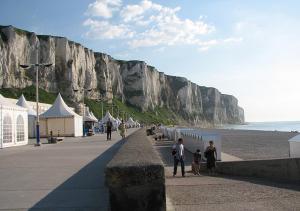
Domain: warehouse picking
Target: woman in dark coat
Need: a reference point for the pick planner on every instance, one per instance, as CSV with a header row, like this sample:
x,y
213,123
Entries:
x,y
211,157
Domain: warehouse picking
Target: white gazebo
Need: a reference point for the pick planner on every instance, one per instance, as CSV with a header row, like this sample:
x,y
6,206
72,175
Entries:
x,y
92,114
13,124
61,120
112,119
31,116
130,122
89,120
137,124
295,146
118,120
89,116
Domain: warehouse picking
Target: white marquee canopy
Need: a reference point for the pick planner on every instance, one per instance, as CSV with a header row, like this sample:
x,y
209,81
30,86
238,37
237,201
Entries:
x,y
61,120
31,116
130,122
13,124
89,116
112,119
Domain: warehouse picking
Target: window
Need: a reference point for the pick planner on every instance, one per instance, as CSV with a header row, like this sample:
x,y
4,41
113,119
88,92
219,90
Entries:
x,y
7,129
20,129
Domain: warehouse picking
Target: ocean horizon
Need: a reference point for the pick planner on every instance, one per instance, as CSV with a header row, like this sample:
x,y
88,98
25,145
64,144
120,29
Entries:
x,y
286,126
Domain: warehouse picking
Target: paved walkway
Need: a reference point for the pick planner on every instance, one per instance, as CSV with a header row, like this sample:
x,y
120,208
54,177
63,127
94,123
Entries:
x,y
196,193
64,176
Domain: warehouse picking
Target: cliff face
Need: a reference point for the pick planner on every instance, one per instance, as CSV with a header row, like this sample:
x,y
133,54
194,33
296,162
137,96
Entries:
x,y
134,82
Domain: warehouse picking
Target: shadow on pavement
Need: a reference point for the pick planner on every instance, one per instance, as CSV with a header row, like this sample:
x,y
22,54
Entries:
x,y
261,181
85,190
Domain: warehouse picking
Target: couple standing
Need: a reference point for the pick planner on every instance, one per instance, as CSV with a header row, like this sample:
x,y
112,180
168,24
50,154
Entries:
x,y
210,155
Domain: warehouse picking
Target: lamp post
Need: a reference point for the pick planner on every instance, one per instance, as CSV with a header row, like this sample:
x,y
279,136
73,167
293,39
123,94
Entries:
x,y
83,113
37,65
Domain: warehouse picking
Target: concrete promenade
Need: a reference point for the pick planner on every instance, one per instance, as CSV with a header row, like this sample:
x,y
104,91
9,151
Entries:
x,y
222,193
65,176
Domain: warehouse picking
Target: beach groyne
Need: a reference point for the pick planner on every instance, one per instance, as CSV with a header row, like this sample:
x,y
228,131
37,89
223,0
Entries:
x,y
135,176
285,169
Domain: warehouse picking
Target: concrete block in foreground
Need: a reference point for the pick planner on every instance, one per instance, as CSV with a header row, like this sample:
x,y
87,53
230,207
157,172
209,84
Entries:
x,y
135,176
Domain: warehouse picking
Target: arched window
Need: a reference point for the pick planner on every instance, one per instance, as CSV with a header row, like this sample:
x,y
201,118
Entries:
x,y
20,128
7,129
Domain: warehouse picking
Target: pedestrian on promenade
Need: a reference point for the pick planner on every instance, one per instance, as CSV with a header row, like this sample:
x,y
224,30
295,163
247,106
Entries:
x,y
178,153
196,162
108,129
102,128
211,157
122,128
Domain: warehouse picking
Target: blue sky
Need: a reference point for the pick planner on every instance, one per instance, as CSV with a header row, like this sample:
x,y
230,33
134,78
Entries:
x,y
248,48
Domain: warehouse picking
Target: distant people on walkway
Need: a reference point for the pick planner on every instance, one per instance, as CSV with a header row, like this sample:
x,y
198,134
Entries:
x,y
108,129
178,154
211,157
122,128
196,162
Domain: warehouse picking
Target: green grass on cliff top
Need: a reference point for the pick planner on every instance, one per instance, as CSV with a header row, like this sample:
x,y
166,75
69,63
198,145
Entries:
x,y
120,109
158,115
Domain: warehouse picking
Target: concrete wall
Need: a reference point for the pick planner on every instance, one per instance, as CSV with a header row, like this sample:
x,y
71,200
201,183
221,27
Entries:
x,y
135,176
287,169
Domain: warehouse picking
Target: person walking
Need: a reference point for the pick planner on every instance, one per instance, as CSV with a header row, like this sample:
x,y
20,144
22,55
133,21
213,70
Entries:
x,y
122,128
178,153
196,162
108,129
211,157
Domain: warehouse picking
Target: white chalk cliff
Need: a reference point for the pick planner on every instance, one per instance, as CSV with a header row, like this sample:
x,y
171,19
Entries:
x,y
135,82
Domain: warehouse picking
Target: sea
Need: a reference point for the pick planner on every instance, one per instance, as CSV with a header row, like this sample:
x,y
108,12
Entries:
x,y
267,126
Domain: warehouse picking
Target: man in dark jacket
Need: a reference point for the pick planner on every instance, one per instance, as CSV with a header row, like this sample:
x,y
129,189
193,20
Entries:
x,y
108,129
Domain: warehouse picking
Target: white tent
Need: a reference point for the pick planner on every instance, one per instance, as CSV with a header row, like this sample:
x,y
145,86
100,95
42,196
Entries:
x,y
61,120
112,119
295,146
130,122
31,116
137,124
90,121
13,124
118,120
88,116
94,116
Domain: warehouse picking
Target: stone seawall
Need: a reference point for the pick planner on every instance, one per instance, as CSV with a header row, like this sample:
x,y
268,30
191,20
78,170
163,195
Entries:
x,y
135,176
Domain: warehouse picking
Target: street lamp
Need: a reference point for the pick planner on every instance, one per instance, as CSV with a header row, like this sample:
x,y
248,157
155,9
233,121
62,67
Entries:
x,y
37,65
83,114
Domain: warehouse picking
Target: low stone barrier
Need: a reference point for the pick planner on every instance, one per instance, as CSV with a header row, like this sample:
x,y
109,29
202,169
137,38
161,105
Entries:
x,y
287,169
135,176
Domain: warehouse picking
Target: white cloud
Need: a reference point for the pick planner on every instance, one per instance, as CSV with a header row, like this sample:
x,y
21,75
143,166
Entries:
x,y
103,8
105,30
135,11
148,24
166,27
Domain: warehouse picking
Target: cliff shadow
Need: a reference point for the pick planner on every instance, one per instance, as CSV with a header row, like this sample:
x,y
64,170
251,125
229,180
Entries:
x,y
85,190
